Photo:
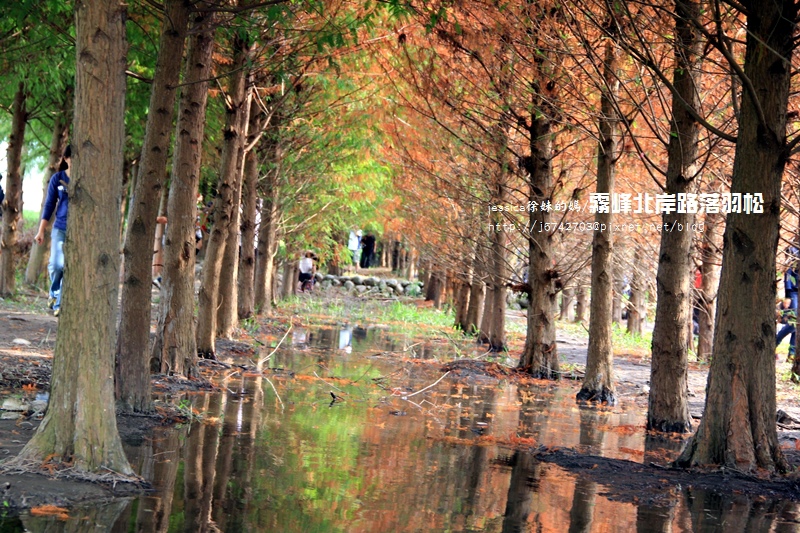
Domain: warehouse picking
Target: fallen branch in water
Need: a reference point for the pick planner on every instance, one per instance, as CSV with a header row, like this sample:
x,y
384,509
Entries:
x,y
264,360
428,387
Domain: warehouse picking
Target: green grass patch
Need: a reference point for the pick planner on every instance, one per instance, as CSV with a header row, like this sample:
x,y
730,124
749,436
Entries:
x,y
621,340
397,315
30,219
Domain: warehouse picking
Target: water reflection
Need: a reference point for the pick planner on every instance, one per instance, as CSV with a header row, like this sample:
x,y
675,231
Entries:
x,y
273,454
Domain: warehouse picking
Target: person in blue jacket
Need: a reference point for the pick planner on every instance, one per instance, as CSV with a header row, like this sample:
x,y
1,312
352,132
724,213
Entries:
x,y
56,201
2,197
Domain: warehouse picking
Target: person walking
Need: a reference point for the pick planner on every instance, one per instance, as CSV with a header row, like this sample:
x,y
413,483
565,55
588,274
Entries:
x,y
787,317
307,270
2,197
354,245
56,201
367,250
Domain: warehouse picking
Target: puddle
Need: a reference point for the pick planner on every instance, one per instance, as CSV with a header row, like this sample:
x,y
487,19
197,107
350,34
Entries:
x,y
343,435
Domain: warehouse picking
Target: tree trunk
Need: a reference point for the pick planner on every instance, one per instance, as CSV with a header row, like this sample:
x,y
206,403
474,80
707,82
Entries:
x,y
567,309
133,343
440,287
738,426
267,244
462,299
227,293
598,383
635,303
411,265
616,298
477,294
227,200
425,274
540,355
709,269
12,205
668,408
431,283
486,315
39,253
289,286
580,308
249,221
175,348
498,276
80,426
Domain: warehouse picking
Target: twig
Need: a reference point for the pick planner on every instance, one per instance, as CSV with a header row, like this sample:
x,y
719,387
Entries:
x,y
326,383
428,387
264,360
276,391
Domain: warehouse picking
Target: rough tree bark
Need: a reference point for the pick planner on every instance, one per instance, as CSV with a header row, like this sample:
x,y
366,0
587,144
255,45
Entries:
x,y
80,426
668,408
711,250
498,277
236,108
175,348
133,342
598,383
250,214
580,307
540,355
738,426
267,244
635,321
12,205
567,307
477,293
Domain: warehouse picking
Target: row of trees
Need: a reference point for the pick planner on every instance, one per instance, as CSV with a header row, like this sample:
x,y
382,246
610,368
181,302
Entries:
x,y
252,93
547,102
482,105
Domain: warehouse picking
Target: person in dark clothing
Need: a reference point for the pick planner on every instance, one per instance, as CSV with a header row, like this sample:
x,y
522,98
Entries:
x,y
58,202
2,197
368,250
787,317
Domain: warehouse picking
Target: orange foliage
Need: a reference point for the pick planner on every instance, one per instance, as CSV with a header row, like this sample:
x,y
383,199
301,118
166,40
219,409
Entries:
x,y
50,510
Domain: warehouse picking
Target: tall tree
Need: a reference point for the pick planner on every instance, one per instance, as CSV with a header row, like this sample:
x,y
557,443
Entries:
x,y
175,347
668,407
540,354
250,215
738,426
133,356
227,200
598,384
12,205
80,426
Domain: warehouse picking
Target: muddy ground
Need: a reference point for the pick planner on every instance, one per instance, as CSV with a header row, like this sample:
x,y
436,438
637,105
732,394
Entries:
x,y
27,340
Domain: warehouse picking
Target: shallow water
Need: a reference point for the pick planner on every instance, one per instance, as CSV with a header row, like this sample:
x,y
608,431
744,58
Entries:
x,y
342,434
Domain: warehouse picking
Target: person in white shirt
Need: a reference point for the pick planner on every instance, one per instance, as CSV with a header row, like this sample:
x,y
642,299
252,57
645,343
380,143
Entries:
x,y
354,245
307,270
